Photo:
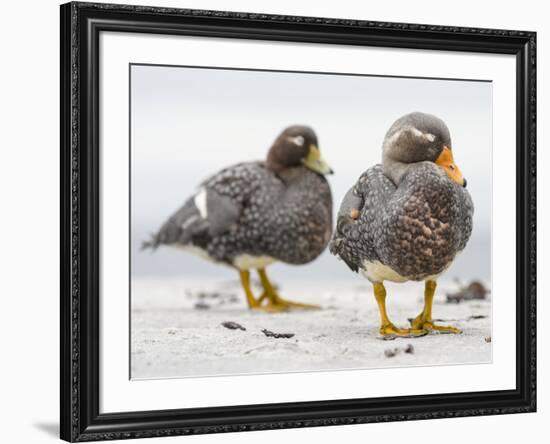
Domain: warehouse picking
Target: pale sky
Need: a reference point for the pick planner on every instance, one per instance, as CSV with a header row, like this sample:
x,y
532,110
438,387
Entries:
x,y
188,123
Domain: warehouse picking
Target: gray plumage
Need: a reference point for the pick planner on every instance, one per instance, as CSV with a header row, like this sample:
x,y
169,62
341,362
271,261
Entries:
x,y
412,217
278,208
188,227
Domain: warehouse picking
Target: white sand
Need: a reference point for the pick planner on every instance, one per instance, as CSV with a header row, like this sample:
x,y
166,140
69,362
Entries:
x,y
173,338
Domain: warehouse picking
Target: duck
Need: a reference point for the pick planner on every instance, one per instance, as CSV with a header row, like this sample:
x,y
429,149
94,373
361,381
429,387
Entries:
x,y
253,214
407,218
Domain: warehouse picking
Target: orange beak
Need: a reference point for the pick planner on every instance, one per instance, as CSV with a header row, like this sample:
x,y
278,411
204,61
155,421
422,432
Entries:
x,y
446,161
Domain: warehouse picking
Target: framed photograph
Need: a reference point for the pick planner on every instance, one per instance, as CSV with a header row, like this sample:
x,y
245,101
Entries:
x,y
276,221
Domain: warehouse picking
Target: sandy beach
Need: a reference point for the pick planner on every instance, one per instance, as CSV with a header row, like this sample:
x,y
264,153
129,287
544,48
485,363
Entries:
x,y
177,331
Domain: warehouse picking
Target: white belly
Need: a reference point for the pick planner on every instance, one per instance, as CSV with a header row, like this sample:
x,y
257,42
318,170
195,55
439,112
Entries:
x,y
246,261
197,251
242,262
377,272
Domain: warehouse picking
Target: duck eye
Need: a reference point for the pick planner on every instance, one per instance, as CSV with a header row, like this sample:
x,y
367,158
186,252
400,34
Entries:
x,y
452,167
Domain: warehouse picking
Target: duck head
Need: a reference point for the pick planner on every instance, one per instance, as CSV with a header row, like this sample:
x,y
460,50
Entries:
x,y
418,137
296,145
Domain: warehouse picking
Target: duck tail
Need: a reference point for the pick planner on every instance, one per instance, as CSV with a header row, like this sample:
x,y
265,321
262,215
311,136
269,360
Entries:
x,y
152,243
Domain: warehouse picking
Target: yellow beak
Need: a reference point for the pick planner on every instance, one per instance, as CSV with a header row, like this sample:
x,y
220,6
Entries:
x,y
315,162
446,161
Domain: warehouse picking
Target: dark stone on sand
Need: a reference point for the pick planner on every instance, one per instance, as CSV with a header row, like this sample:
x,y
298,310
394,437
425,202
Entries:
x,y
233,326
391,352
475,290
473,317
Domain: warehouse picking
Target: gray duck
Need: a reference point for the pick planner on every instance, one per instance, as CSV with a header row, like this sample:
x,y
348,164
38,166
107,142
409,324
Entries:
x,y
252,214
407,218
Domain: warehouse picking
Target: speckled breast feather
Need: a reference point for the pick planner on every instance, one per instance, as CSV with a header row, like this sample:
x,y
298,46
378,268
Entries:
x,y
416,229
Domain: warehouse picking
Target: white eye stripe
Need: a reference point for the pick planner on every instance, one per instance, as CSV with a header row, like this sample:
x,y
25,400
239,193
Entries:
x,y
415,131
428,136
298,140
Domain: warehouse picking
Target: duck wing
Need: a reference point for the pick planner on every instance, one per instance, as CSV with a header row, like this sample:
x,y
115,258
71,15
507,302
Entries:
x,y
357,222
211,211
350,207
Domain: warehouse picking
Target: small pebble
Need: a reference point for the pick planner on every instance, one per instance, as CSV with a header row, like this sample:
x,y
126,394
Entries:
x,y
391,352
488,339
201,306
233,326
473,317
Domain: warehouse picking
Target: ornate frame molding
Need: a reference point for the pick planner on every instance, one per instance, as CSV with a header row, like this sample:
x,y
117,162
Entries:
x,y
81,24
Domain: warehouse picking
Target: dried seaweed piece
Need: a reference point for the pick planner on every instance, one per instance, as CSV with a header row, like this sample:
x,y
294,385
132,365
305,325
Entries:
x,y
475,290
233,325
409,349
270,334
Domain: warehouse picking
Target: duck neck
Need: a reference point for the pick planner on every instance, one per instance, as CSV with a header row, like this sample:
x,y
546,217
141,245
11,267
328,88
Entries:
x,y
394,169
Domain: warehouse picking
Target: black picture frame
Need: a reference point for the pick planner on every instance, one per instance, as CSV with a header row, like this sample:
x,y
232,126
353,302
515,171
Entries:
x,y
81,24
